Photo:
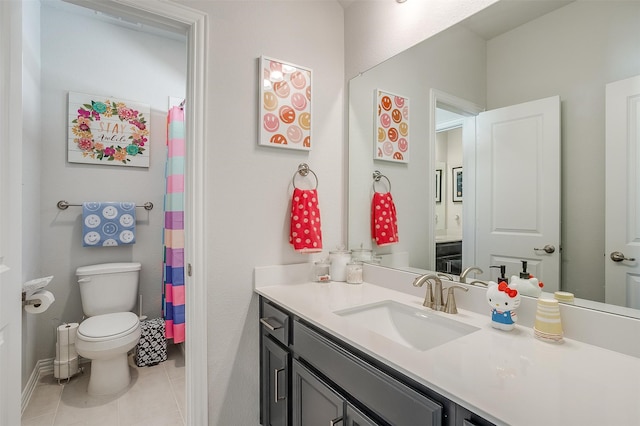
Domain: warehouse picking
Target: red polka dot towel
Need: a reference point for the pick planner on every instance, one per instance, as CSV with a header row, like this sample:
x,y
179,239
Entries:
x,y
384,222
305,236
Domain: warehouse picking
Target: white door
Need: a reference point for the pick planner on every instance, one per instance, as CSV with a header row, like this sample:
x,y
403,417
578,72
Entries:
x,y
622,211
518,190
10,225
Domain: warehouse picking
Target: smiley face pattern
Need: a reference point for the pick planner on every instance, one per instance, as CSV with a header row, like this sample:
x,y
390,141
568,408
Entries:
x,y
285,107
391,127
108,224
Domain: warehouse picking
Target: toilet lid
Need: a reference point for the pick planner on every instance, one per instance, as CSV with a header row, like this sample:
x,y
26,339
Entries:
x,y
108,325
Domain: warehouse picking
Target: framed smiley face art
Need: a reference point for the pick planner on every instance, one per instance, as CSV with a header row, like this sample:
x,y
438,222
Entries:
x,y
391,132
285,105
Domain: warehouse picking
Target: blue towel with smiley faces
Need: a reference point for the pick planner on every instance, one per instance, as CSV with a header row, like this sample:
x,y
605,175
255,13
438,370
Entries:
x,y
108,224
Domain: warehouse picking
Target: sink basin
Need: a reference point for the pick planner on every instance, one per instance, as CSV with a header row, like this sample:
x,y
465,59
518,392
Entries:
x,y
415,328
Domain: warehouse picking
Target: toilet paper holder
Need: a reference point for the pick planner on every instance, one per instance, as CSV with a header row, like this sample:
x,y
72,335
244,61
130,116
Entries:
x,y
26,302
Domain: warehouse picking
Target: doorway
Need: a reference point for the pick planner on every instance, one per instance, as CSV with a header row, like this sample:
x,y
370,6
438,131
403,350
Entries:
x,y
193,24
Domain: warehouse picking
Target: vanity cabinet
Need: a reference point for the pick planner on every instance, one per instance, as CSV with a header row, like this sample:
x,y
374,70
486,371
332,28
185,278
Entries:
x,y
275,366
449,257
309,377
315,402
275,375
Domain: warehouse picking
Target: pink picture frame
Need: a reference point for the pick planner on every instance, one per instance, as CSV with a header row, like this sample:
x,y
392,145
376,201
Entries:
x,y
391,127
285,113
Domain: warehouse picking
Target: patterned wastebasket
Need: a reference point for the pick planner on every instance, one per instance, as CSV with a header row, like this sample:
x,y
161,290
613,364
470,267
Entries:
x,y
152,347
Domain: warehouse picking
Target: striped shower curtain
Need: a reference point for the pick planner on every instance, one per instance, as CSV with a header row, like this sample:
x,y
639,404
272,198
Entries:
x,y
173,295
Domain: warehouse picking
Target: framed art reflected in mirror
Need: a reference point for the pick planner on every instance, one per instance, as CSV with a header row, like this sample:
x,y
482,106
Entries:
x,y
438,185
456,182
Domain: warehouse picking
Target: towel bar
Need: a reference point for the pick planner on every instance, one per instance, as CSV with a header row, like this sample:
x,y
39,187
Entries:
x,y
63,205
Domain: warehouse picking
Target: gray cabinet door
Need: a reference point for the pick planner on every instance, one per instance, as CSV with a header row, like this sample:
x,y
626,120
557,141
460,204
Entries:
x,y
275,383
390,399
356,417
314,403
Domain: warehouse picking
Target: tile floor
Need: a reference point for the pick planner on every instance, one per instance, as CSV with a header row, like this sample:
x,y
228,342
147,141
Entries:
x,y
156,396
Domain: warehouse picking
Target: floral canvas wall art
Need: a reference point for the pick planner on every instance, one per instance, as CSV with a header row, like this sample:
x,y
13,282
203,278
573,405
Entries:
x,y
107,131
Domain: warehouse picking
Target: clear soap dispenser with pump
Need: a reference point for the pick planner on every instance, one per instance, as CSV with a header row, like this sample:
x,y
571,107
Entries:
x,y
526,283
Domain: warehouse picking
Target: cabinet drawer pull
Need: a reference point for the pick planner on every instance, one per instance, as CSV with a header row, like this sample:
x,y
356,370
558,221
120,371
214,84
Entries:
x,y
271,323
276,372
335,421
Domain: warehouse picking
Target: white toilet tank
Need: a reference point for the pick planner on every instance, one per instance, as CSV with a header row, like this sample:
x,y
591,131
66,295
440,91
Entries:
x,y
108,287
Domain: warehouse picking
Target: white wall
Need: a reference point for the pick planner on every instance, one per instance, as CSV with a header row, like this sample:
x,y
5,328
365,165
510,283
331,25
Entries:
x,y
94,57
249,187
448,155
459,69
31,259
377,30
558,54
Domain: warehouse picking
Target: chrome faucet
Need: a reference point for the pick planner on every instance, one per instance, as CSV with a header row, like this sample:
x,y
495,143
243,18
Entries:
x,y
463,275
434,297
429,300
450,307
446,276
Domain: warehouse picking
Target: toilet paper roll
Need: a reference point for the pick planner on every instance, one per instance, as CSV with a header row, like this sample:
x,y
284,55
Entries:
x,y
42,300
67,333
65,369
65,352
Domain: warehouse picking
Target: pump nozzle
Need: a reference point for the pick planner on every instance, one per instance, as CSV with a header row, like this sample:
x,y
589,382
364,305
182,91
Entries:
x,y
502,277
524,274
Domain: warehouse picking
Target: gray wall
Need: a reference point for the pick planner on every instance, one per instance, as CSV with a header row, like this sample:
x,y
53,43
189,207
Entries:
x,y
453,62
573,52
89,56
378,30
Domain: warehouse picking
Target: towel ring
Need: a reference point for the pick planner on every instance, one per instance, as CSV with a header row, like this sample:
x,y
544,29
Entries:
x,y
304,170
376,178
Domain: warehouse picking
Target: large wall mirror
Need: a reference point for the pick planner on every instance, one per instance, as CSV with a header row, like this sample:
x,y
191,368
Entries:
x,y
571,53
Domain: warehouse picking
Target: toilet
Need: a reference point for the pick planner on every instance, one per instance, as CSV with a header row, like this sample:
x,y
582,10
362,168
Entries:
x,y
109,292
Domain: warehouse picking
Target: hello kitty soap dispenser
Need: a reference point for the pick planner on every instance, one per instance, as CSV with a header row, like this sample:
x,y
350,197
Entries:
x,y
526,284
503,301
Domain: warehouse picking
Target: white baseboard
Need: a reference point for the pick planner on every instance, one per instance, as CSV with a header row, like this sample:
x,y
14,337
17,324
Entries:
x,y
42,368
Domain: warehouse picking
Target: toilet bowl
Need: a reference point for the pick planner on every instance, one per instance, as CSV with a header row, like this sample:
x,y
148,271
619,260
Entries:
x,y
108,292
105,340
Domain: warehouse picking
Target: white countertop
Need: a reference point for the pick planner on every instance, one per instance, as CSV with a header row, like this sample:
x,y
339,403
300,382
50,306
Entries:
x,y
509,378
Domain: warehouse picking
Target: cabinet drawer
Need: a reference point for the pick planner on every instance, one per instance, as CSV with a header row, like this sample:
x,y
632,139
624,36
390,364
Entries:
x,y
390,399
274,321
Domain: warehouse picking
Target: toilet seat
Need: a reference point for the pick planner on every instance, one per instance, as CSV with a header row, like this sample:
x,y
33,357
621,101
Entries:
x,y
108,326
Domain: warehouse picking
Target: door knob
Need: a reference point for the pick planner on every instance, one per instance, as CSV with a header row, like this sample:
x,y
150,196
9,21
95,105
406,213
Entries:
x,y
547,249
618,256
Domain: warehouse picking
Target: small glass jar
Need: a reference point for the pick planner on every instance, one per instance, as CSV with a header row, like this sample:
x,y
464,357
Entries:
x,y
321,271
362,254
339,259
354,272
